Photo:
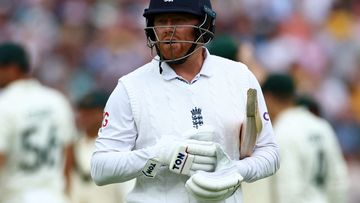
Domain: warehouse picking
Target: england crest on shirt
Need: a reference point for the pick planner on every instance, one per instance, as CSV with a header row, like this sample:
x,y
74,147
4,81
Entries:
x,y
197,118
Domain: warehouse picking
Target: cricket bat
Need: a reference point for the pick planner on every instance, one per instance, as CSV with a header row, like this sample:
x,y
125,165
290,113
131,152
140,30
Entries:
x,y
252,125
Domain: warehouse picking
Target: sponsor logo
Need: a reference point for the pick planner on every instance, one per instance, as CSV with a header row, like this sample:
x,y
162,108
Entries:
x,y
179,161
151,168
105,120
266,116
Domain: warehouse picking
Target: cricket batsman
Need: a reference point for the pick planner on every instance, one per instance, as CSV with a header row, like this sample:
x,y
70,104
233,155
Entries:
x,y
178,123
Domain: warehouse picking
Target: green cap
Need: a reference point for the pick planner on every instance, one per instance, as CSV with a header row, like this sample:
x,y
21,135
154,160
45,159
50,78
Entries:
x,y
13,53
224,46
279,84
94,99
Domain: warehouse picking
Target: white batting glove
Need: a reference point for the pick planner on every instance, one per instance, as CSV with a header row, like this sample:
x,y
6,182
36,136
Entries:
x,y
192,153
218,185
200,149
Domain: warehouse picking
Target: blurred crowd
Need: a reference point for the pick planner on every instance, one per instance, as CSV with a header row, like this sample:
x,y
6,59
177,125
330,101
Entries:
x,y
77,45
318,42
81,45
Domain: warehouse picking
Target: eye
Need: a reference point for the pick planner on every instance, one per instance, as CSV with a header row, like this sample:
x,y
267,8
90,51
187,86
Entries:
x,y
183,21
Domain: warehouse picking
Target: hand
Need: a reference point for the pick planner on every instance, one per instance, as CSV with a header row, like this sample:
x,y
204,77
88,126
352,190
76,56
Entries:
x,y
197,152
194,152
218,185
193,155
200,150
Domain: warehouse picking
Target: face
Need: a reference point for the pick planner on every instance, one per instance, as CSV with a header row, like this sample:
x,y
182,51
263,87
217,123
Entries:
x,y
175,27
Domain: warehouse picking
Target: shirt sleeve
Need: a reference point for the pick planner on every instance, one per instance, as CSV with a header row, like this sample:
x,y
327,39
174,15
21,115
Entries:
x,y
114,159
265,159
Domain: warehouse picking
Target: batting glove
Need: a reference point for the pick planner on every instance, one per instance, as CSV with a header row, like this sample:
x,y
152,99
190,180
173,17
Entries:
x,y
218,185
194,152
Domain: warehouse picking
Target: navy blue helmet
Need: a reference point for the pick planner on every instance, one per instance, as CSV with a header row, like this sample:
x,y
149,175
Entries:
x,y
196,7
201,8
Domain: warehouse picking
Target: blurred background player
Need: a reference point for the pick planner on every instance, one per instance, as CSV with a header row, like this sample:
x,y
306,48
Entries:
x,y
313,169
89,118
37,124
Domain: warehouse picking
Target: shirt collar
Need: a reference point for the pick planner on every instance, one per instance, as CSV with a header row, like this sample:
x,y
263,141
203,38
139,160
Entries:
x,y
169,74
20,84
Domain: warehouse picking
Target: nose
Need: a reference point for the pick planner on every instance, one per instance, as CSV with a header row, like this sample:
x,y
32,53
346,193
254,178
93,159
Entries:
x,y
167,26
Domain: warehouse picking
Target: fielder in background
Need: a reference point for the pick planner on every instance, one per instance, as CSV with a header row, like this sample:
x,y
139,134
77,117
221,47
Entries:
x,y
83,190
37,125
174,124
313,169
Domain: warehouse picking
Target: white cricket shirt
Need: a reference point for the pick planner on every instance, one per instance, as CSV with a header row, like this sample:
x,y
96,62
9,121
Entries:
x,y
149,103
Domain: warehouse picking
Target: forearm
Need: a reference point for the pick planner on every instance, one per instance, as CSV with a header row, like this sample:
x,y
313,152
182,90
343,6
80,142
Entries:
x,y
183,156
264,160
263,163
115,167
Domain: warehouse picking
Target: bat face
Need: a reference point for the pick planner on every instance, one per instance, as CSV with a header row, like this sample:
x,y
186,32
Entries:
x,y
248,137
252,125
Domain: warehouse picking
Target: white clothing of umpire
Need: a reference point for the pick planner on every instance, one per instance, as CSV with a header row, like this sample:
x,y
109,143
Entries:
x,y
174,123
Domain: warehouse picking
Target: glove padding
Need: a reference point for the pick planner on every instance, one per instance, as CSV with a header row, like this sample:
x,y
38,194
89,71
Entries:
x,y
191,156
218,185
194,152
